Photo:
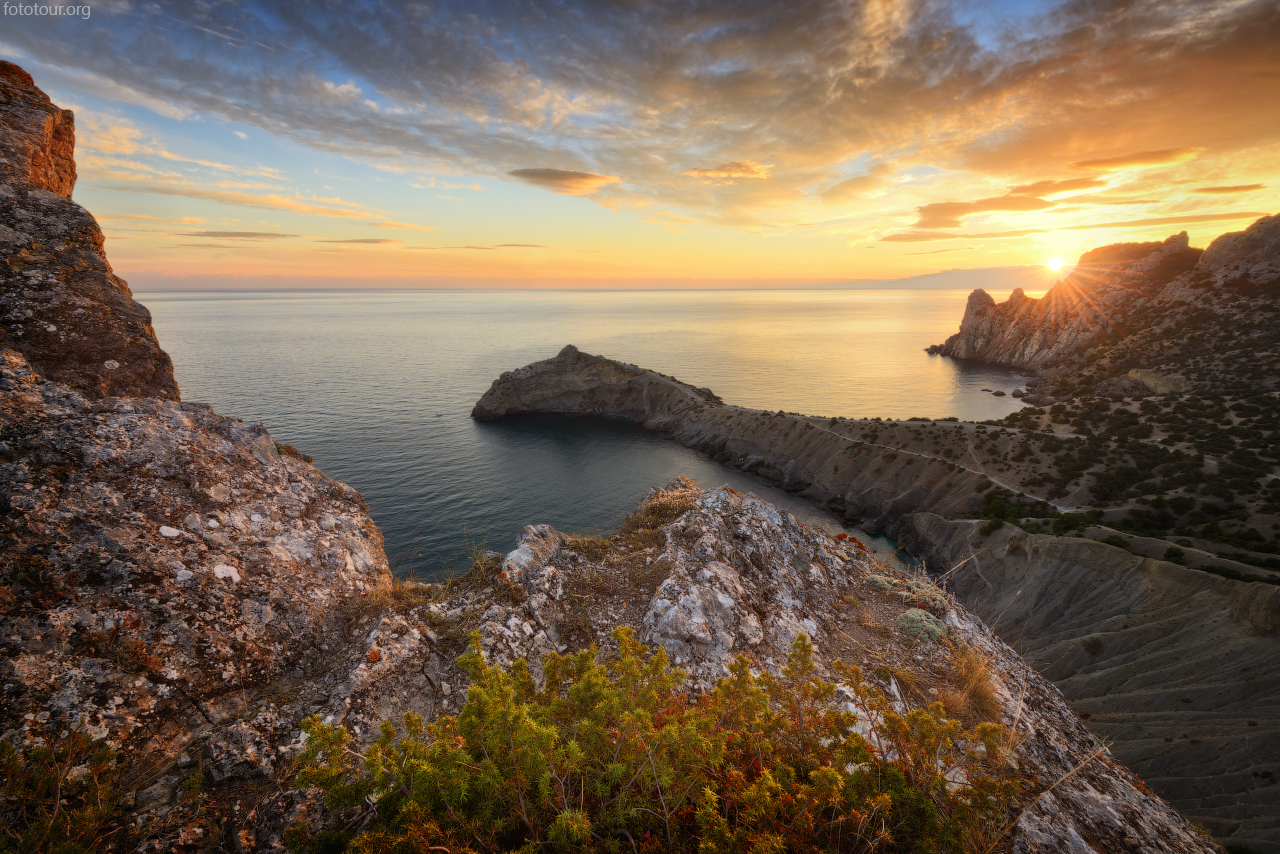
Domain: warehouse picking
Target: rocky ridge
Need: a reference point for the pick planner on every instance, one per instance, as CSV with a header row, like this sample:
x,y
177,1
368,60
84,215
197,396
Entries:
x,y
1173,667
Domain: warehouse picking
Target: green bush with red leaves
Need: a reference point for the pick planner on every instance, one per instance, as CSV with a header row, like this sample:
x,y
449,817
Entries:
x,y
614,757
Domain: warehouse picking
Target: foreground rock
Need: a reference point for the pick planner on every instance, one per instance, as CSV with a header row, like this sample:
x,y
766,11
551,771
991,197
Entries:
x,y
61,307
714,574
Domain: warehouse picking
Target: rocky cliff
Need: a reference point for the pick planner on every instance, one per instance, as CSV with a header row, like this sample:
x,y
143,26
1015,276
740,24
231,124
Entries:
x,y
1162,315
61,307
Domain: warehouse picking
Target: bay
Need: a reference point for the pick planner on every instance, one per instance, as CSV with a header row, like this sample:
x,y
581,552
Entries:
x,y
377,386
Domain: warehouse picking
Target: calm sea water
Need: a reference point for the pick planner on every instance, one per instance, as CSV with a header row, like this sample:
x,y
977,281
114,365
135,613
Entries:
x,y
378,386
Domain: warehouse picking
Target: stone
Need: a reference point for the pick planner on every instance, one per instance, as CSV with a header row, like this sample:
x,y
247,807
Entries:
x,y
169,532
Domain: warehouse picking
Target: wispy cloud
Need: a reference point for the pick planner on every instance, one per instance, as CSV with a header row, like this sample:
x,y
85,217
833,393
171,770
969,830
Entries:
x,y
1141,159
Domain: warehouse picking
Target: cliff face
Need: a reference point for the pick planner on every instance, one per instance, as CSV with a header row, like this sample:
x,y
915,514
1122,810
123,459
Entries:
x,y
1177,669
61,307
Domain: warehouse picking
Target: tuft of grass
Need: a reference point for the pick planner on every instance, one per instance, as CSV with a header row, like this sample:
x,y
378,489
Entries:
x,y
649,577
972,696
593,547
290,451
663,509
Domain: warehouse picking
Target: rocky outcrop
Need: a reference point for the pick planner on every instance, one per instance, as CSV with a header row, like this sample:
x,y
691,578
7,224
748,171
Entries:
x,y
61,307
1197,320
828,460
1081,311
1177,669
721,574
39,139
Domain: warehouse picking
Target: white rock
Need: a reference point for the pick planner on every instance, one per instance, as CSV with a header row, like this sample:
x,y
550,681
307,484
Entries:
x,y
255,518
184,575
110,364
169,533
224,571
213,523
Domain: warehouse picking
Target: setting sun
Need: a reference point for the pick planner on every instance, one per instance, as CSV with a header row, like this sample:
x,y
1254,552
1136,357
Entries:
x,y
1054,263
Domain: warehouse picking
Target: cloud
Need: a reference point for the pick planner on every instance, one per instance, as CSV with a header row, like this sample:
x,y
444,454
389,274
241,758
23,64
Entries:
x,y
403,226
857,186
1047,188
1140,159
241,134
369,240
937,251
948,214
239,235
922,236
634,92
733,169
564,181
1223,191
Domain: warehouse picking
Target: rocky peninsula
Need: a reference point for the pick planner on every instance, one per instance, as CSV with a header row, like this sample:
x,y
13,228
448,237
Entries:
x,y
183,590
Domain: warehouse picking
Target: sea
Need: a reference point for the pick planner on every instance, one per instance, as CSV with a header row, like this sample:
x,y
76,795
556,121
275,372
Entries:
x,y
377,386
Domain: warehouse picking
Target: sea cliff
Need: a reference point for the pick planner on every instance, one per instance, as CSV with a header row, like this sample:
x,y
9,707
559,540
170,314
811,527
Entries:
x,y
1166,316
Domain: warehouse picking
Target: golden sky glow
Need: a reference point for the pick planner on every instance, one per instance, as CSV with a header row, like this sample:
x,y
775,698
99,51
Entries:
x,y
647,144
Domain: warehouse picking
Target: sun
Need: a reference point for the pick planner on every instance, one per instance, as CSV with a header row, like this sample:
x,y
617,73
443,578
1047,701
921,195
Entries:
x,y
1055,263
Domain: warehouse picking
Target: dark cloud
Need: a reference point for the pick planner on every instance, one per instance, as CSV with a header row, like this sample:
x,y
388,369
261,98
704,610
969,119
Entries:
x,y
564,181
923,236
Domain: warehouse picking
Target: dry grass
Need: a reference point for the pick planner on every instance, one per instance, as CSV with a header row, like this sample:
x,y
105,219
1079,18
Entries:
x,y
970,695
663,509
593,547
649,577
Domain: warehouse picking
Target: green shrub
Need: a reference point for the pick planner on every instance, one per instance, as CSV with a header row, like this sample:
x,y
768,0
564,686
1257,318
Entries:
x,y
1173,554
60,798
615,757
1115,540
991,527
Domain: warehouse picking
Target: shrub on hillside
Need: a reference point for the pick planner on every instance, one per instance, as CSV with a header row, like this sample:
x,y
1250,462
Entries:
x,y
616,757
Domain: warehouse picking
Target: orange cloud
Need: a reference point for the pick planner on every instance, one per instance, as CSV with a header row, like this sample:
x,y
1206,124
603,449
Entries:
x,y
1164,157
948,214
1044,188
734,169
564,181
1222,191
921,236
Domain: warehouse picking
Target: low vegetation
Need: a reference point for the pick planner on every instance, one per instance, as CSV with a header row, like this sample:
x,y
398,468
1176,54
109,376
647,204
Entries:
x,y
614,757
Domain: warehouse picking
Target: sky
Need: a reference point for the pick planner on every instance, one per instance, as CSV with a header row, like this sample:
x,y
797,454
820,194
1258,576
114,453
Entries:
x,y
639,143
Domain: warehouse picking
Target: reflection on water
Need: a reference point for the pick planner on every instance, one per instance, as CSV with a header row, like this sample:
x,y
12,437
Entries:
x,y
378,387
